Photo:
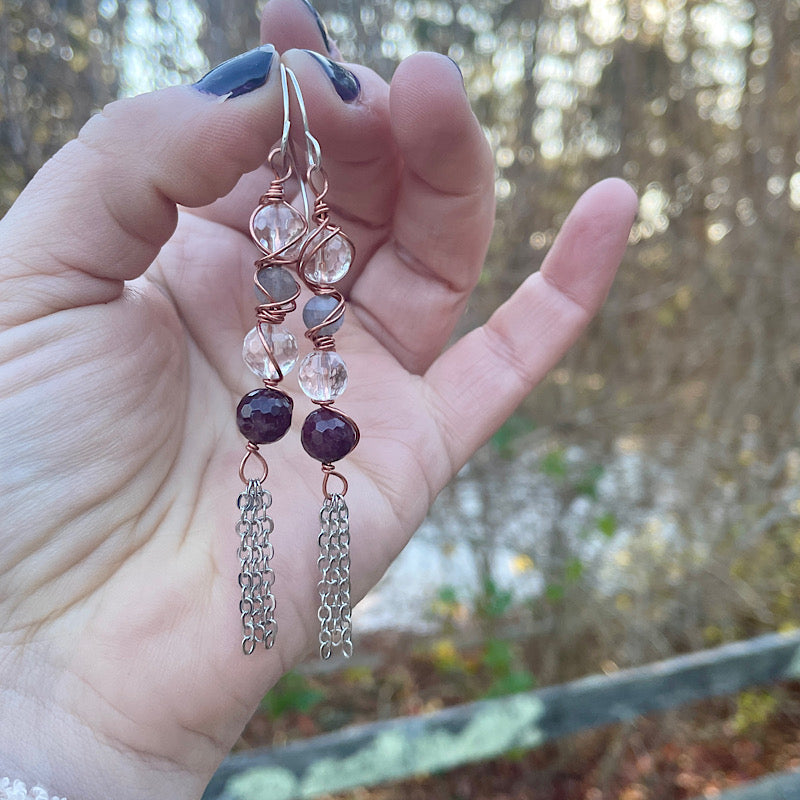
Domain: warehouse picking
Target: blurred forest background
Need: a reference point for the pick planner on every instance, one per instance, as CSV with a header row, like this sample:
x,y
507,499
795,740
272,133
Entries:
x,y
644,500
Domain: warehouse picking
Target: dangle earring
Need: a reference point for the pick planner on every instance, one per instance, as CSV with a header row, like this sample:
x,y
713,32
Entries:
x,y
327,435
264,415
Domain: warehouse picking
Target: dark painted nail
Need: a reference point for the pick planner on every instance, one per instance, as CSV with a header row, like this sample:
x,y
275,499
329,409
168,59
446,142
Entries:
x,y
240,74
345,82
457,67
323,28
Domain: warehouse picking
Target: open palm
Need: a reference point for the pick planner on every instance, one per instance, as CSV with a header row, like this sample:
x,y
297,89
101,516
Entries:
x,y
120,372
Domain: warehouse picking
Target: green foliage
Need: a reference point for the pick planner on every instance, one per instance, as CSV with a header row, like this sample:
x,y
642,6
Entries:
x,y
573,570
447,658
447,607
493,603
447,595
521,680
754,708
292,692
515,427
497,656
501,663
607,524
554,592
586,484
554,464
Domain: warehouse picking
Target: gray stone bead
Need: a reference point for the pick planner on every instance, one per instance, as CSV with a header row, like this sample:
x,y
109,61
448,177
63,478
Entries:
x,y
278,282
317,309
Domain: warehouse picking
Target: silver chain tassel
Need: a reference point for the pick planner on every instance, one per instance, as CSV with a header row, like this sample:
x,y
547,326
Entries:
x,y
334,586
256,577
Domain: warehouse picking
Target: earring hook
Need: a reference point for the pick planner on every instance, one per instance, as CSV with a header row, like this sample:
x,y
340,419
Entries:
x,y
288,149
313,149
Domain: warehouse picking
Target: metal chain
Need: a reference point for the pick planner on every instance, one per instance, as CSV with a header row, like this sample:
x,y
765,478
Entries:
x,y
334,587
257,605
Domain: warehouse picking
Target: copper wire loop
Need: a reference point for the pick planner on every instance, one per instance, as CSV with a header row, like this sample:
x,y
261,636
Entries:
x,y
316,169
328,472
252,452
286,164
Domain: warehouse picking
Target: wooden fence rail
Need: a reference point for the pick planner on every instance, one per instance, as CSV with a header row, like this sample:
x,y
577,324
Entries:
x,y
365,755
783,786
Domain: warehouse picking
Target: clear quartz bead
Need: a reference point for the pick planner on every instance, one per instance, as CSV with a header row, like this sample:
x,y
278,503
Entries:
x,y
330,263
276,225
283,346
322,375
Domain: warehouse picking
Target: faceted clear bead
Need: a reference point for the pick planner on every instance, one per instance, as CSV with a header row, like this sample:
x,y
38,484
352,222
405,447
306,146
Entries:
x,y
283,346
317,310
330,263
278,224
278,282
322,375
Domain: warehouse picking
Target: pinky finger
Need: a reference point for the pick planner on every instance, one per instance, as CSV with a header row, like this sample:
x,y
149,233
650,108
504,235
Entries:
x,y
477,383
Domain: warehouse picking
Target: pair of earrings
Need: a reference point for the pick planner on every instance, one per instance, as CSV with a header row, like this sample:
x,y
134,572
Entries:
x,y
296,250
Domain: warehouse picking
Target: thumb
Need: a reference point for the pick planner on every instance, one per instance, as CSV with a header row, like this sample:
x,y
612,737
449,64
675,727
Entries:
x,y
99,211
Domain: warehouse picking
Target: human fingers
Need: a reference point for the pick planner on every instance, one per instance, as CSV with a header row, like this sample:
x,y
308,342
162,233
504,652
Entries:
x,y
477,383
289,24
286,24
100,210
348,112
415,288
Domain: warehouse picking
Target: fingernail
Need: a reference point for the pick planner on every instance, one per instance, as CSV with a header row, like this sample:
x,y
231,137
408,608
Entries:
x,y
457,67
323,28
240,74
345,82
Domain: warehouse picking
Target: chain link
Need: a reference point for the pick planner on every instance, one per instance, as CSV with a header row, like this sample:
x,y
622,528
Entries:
x,y
257,604
334,587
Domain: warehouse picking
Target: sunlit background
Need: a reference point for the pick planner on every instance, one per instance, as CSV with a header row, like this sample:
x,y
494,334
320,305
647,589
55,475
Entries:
x,y
644,500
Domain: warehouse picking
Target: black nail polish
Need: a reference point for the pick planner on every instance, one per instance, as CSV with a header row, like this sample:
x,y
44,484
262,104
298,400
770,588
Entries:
x,y
323,28
240,74
457,67
345,82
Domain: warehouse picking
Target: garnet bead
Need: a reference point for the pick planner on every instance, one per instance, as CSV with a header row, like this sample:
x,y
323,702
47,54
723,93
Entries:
x,y
328,436
264,415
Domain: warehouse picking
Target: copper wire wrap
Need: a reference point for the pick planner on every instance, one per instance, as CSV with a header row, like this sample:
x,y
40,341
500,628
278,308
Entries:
x,y
315,241
252,453
324,341
329,471
275,195
335,609
272,312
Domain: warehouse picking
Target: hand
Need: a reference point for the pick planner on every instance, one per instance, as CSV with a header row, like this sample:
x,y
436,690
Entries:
x,y
121,321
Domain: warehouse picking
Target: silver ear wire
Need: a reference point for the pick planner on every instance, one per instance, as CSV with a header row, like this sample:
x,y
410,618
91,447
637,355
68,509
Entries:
x,y
313,150
287,145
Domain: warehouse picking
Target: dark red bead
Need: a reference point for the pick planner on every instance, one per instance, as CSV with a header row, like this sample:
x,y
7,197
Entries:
x,y
328,436
264,415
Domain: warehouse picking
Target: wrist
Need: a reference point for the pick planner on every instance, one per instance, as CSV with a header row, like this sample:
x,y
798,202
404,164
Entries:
x,y
44,744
